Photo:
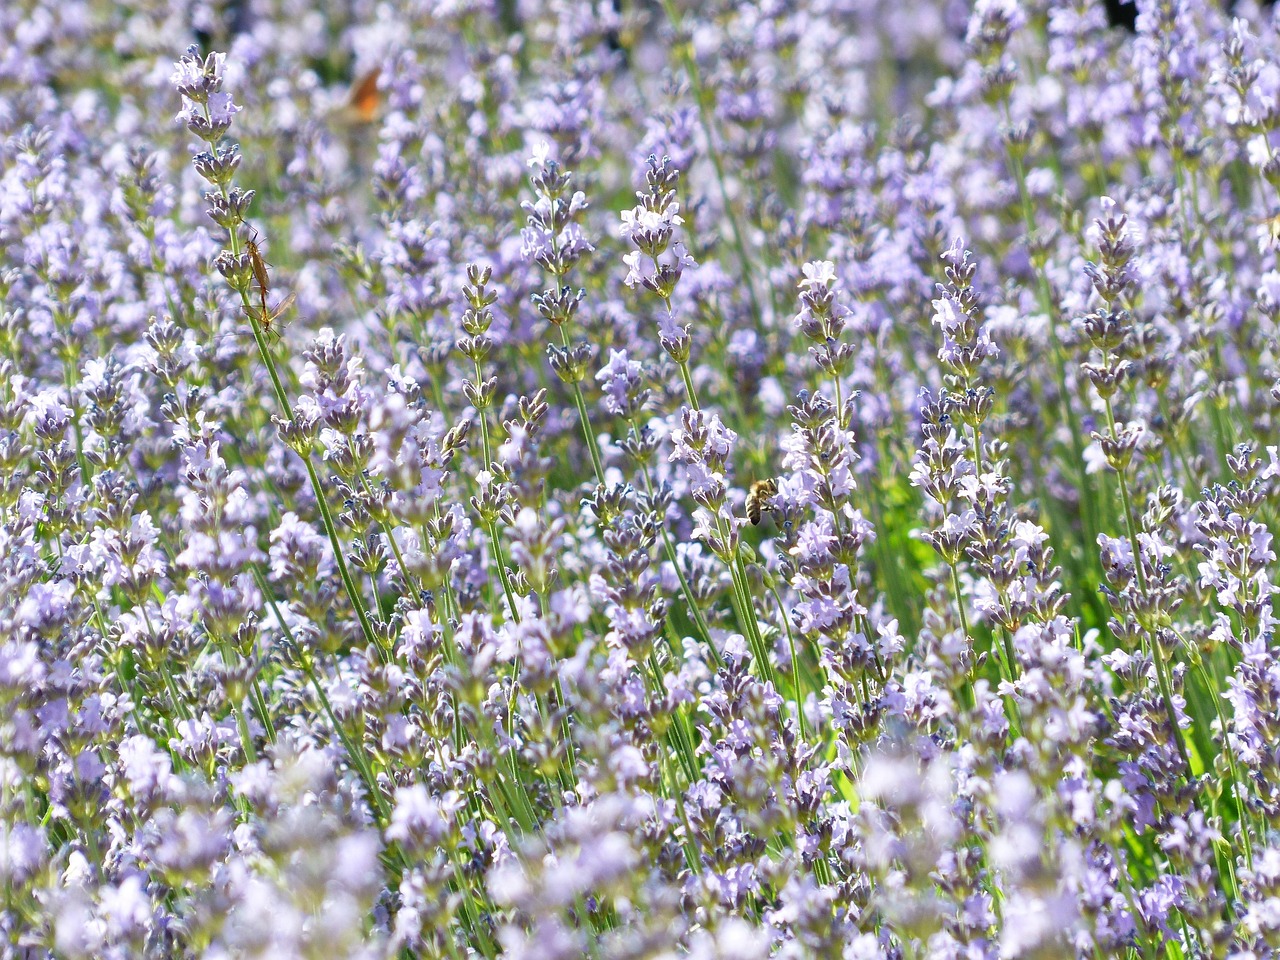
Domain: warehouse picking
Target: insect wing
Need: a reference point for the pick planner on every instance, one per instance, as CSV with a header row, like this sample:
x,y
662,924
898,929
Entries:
x,y
268,321
282,306
365,98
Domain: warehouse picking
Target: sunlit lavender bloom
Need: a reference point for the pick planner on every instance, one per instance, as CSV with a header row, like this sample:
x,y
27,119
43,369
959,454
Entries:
x,y
550,480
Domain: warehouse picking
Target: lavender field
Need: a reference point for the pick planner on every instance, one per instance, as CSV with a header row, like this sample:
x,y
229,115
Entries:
x,y
629,479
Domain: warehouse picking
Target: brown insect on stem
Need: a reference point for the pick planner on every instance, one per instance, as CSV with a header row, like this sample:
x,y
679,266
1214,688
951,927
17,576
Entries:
x,y
266,315
259,267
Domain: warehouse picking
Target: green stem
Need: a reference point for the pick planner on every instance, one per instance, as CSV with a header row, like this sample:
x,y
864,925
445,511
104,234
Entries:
x,y
491,526
688,385
317,488
967,688
264,714
171,685
496,545
1088,511
694,610
796,686
1157,654
349,584
242,721
593,446
1236,791
357,755
386,532
708,130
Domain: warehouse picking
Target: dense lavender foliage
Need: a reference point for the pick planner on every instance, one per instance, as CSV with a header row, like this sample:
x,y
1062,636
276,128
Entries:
x,y
572,478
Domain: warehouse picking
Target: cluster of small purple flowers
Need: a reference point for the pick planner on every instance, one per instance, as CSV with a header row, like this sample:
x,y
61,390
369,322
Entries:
x,y
571,479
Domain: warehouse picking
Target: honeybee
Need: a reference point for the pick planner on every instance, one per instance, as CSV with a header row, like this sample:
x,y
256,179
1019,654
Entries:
x,y
1268,239
760,491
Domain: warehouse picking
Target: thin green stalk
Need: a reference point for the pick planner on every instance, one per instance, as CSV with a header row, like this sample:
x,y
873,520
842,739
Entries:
x,y
741,595
571,755
317,488
1088,512
357,755
349,584
1157,655
692,855
246,739
242,721
518,800
795,666
713,153
967,688
891,562
495,544
264,714
391,541
593,445
676,730
694,610
688,383
1244,819
686,725
745,608
171,685
593,448
473,912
